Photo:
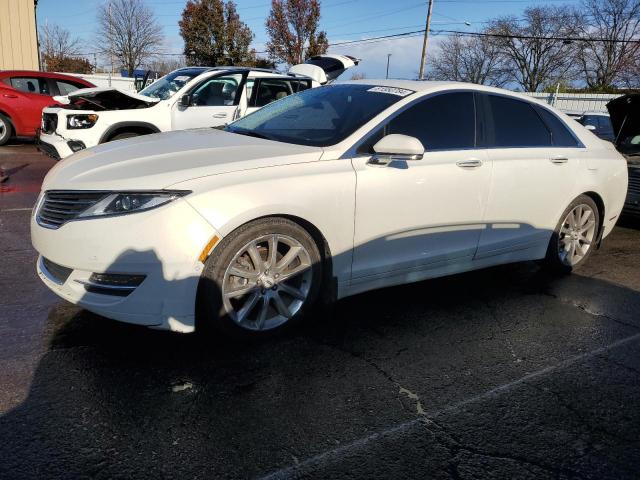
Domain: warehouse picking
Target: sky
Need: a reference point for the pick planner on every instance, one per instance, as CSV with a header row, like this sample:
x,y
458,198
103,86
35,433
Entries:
x,y
343,20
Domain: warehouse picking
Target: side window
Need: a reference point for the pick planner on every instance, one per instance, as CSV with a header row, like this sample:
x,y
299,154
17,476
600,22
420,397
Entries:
x,y
441,122
30,85
217,92
300,85
249,88
560,134
66,88
512,123
270,90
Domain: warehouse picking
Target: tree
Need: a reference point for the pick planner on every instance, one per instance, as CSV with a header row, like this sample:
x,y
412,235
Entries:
x,y
292,27
164,65
128,31
533,55
56,41
475,59
55,63
615,60
214,35
60,51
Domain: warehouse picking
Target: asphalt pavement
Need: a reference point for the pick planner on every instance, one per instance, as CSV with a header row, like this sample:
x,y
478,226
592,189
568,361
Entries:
x,y
501,373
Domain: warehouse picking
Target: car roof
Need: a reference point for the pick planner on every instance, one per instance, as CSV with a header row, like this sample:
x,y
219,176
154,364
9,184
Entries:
x,y
424,86
35,73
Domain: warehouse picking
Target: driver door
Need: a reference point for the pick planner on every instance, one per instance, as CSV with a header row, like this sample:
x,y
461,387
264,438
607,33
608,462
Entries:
x,y
414,216
212,103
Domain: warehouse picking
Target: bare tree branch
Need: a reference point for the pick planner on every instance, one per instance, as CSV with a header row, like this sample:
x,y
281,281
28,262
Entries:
x,y
129,32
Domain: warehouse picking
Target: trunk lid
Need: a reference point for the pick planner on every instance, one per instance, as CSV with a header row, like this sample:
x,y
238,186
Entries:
x,y
625,119
324,68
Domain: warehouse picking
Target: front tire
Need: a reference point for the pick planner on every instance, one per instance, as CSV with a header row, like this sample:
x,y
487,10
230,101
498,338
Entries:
x,y
575,236
122,136
261,279
6,129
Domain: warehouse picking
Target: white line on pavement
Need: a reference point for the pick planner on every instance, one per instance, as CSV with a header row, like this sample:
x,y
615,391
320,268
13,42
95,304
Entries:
x,y
337,453
17,210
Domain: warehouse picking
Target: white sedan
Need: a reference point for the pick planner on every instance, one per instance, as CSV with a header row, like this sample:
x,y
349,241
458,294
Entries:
x,y
318,196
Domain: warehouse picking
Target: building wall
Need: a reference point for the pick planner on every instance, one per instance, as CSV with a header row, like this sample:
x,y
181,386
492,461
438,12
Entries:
x,y
18,39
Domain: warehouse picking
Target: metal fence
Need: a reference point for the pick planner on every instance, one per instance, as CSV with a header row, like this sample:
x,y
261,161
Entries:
x,y
575,102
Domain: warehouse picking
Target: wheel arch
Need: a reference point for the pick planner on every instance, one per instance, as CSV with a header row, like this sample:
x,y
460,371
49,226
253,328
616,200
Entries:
x,y
144,128
598,200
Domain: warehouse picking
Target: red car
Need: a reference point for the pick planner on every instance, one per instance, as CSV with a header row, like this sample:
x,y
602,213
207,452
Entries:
x,y
23,95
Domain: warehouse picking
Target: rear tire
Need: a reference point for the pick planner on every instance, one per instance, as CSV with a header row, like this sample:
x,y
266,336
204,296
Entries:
x,y
6,129
575,236
261,279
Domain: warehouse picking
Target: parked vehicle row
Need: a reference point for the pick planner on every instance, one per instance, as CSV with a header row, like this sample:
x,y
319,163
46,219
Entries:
x,y
186,98
23,95
324,194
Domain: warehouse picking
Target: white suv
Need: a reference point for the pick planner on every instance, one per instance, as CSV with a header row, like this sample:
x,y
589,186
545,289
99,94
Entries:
x,y
191,97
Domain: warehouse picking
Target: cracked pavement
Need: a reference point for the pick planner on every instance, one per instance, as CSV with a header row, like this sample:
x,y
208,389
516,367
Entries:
x,y
501,373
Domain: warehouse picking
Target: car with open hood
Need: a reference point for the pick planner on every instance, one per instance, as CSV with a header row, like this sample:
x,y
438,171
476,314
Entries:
x,y
189,97
324,194
625,119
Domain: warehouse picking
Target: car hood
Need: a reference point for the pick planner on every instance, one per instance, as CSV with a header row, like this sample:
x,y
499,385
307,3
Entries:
x,y
625,119
105,98
157,161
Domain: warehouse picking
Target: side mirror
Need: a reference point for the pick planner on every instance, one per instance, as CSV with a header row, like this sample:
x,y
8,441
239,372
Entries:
x,y
590,127
396,147
185,100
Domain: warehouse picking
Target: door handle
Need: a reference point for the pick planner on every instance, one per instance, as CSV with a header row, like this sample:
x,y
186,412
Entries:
x,y
219,115
9,95
559,160
469,163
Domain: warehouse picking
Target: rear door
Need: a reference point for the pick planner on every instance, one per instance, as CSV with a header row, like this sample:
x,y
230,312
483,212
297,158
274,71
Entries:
x,y
213,102
265,90
535,159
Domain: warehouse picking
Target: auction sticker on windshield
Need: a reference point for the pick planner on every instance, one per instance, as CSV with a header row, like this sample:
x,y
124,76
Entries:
x,y
401,92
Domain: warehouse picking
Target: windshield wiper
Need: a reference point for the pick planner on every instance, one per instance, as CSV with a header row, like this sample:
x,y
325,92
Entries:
x,y
250,133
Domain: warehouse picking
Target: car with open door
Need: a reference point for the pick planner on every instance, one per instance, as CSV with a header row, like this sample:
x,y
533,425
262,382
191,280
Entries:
x,y
625,118
23,95
192,97
324,194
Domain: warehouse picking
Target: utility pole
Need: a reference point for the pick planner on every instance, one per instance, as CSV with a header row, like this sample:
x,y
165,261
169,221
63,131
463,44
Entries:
x,y
388,57
423,59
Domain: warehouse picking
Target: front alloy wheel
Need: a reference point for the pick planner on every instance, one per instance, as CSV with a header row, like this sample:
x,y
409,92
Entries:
x,y
261,278
267,282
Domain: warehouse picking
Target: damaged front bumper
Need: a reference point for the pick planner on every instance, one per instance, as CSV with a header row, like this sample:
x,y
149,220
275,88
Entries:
x,y
57,147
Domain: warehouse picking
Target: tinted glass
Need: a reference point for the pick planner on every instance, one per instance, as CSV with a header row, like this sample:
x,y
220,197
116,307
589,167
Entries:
x,y
320,116
560,134
443,122
66,88
513,123
30,85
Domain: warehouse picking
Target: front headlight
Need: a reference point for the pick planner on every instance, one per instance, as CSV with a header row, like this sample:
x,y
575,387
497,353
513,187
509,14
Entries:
x,y
81,121
119,203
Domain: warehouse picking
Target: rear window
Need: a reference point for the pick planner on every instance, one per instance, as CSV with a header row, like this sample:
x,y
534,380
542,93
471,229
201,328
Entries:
x,y
561,136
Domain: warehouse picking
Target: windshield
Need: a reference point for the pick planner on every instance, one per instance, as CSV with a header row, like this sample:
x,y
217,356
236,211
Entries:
x,y
166,86
320,116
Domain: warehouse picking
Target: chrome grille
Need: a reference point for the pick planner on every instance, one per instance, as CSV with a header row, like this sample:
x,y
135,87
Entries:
x,y
61,206
49,122
634,180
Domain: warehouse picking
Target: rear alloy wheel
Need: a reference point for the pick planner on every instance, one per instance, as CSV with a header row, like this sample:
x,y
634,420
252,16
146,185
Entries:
x,y
260,279
6,129
575,236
